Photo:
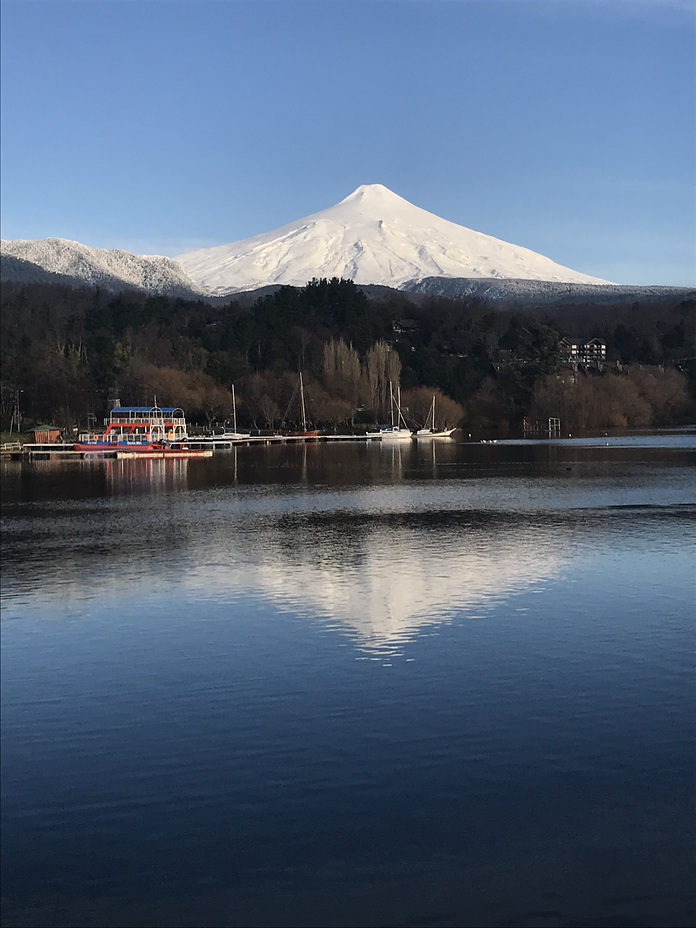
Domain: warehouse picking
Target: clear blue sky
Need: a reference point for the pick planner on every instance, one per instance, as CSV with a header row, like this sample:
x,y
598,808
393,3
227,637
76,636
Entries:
x,y
158,126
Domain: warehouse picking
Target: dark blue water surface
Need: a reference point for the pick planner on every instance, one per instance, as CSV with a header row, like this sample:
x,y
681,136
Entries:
x,y
352,684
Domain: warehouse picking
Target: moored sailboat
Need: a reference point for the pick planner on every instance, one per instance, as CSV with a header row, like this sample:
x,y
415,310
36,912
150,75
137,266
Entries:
x,y
228,434
304,432
398,430
429,431
233,433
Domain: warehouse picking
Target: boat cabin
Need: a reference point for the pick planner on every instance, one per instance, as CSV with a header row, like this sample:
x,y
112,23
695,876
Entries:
x,y
146,424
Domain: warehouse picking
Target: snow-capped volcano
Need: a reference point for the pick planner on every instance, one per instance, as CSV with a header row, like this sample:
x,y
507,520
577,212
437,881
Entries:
x,y
373,236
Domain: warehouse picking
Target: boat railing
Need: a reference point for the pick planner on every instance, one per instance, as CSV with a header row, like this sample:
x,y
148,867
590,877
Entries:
x,y
130,416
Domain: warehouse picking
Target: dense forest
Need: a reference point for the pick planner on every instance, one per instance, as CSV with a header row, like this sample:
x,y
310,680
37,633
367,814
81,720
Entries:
x,y
67,354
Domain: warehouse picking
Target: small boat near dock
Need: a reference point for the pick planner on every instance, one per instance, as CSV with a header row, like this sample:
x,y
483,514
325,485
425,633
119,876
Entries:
x,y
304,432
429,431
228,434
398,430
166,450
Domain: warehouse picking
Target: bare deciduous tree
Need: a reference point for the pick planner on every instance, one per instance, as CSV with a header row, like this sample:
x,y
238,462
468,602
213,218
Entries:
x,y
383,368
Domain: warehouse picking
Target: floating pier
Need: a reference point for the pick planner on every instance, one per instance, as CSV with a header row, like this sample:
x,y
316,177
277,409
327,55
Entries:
x,y
16,451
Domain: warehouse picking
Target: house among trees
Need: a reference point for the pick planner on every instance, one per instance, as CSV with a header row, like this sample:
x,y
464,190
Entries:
x,y
405,326
574,352
405,330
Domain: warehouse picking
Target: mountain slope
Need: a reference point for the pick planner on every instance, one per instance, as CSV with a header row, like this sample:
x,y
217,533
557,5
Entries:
x,y
18,271
372,236
512,292
81,265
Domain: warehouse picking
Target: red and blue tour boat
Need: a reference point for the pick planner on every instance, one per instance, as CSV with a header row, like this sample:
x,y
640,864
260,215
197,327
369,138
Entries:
x,y
149,431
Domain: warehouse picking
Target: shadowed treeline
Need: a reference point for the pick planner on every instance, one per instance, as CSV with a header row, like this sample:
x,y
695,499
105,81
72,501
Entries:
x,y
66,354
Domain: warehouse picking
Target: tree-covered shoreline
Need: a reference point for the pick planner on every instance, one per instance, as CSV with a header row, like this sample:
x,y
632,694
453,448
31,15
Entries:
x,y
67,354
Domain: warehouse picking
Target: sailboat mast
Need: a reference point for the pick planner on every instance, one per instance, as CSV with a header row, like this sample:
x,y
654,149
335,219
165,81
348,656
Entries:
x,y
234,410
400,417
302,405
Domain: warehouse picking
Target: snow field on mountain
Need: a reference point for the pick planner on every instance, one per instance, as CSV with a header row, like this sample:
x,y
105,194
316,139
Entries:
x,y
372,236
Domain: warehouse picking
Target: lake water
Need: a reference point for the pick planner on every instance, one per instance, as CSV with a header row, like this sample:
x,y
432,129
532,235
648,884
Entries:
x,y
352,685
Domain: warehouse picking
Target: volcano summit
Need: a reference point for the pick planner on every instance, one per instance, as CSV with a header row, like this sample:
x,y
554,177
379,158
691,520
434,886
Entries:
x,y
373,236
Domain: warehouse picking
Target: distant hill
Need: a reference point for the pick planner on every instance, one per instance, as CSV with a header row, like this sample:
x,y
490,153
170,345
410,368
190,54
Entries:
x,y
57,260
520,293
509,294
19,271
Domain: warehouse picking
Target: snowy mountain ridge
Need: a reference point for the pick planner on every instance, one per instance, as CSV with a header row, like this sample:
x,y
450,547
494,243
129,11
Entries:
x,y
373,236
112,269
518,293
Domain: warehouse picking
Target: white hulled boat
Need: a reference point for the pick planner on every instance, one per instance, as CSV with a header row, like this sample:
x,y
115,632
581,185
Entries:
x,y
429,431
398,430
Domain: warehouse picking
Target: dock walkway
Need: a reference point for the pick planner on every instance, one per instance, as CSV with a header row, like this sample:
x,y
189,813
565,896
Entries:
x,y
55,452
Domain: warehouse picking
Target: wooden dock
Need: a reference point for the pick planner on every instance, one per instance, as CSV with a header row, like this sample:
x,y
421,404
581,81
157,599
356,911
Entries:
x,y
16,451
225,444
